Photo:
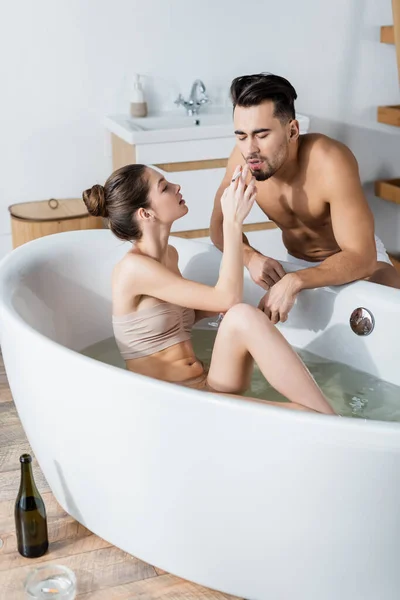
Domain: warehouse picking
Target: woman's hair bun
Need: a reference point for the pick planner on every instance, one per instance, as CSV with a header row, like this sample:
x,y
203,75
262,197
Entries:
x,y
95,201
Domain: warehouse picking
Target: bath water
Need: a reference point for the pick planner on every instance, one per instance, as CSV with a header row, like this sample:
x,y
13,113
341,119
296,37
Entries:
x,y
351,393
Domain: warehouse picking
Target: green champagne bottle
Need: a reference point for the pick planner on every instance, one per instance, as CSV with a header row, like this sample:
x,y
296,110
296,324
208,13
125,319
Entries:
x,y
30,514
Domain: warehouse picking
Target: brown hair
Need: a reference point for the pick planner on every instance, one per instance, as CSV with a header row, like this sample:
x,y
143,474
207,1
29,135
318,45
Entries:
x,y
124,192
252,90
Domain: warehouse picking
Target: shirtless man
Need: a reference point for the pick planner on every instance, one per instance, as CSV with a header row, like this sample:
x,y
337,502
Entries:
x,y
309,185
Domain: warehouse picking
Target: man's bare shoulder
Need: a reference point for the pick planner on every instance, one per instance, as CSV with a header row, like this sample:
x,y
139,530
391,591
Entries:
x,y
320,150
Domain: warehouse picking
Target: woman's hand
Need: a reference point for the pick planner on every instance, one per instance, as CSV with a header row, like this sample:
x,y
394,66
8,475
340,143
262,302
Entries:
x,y
238,199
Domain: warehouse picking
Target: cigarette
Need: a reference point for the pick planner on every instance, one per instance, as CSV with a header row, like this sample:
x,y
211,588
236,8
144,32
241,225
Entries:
x,y
237,176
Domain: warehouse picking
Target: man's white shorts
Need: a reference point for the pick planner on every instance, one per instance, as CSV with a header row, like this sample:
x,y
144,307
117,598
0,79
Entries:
x,y
381,255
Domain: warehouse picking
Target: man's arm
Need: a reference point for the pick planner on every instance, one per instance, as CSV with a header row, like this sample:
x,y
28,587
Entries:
x,y
353,228
264,271
216,232
352,223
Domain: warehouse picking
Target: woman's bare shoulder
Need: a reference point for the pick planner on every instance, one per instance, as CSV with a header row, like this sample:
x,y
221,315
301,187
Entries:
x,y
131,265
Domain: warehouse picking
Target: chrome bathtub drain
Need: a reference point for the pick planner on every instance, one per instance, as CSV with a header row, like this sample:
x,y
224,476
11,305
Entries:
x,y
362,321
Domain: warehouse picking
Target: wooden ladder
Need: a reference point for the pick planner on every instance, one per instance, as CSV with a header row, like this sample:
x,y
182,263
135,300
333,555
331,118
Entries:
x,y
389,189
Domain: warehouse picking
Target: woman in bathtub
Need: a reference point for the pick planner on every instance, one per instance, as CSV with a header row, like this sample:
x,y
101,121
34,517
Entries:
x,y
154,307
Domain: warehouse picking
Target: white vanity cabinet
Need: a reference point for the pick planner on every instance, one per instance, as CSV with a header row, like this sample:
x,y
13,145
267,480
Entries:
x,y
197,165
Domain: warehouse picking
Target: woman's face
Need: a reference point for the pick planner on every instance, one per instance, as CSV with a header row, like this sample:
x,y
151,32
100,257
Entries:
x,y
165,198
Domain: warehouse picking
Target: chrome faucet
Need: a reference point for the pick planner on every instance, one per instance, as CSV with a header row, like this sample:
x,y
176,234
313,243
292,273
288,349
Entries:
x,y
197,98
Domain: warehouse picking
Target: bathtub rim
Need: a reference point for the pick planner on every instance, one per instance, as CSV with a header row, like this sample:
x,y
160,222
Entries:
x,y
370,426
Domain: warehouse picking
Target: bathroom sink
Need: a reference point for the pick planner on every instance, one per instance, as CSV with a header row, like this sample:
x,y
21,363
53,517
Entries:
x,y
177,122
174,126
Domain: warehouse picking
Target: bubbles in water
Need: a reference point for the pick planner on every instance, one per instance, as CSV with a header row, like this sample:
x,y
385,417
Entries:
x,y
357,404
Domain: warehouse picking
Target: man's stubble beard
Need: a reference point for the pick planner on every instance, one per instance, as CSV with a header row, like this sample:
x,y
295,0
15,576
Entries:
x,y
272,168
263,175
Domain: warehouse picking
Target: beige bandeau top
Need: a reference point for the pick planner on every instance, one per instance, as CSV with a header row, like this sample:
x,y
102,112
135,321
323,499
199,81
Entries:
x,y
152,329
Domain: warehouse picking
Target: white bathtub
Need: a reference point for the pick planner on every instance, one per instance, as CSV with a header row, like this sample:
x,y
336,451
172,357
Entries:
x,y
253,500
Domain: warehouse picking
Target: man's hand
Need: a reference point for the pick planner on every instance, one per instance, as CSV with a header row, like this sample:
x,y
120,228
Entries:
x,y
265,271
278,302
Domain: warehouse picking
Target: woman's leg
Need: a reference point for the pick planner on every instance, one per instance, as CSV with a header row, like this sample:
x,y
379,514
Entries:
x,y
245,334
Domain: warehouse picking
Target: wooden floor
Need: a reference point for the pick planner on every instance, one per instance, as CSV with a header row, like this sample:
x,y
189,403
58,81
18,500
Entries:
x,y
103,571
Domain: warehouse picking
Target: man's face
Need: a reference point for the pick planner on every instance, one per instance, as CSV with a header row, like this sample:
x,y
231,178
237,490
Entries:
x,y
262,139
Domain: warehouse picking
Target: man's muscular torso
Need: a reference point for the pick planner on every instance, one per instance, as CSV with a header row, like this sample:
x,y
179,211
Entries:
x,y
301,209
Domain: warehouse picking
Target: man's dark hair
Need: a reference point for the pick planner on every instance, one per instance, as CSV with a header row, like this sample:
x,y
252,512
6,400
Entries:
x,y
252,90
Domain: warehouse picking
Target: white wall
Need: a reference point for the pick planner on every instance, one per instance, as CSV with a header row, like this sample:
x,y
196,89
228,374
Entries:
x,y
67,63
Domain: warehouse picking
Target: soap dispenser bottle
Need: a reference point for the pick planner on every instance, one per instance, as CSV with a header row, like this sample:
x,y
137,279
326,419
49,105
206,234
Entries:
x,y
138,103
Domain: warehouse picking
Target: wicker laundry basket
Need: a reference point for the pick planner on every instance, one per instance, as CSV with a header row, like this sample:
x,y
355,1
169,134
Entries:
x,y
31,220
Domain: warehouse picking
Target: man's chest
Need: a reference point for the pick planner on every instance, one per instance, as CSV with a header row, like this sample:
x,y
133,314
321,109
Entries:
x,y
293,207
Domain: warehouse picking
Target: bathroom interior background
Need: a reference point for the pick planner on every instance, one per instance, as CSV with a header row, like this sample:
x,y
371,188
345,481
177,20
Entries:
x,y
67,64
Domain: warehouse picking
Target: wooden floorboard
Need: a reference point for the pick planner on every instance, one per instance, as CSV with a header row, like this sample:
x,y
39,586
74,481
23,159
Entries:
x,y
103,571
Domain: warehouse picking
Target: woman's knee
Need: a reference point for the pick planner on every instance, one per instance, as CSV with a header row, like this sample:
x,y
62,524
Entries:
x,y
241,316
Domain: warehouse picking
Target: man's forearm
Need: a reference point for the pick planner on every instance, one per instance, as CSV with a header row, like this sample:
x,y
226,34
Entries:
x,y
217,235
217,238
248,251
338,269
